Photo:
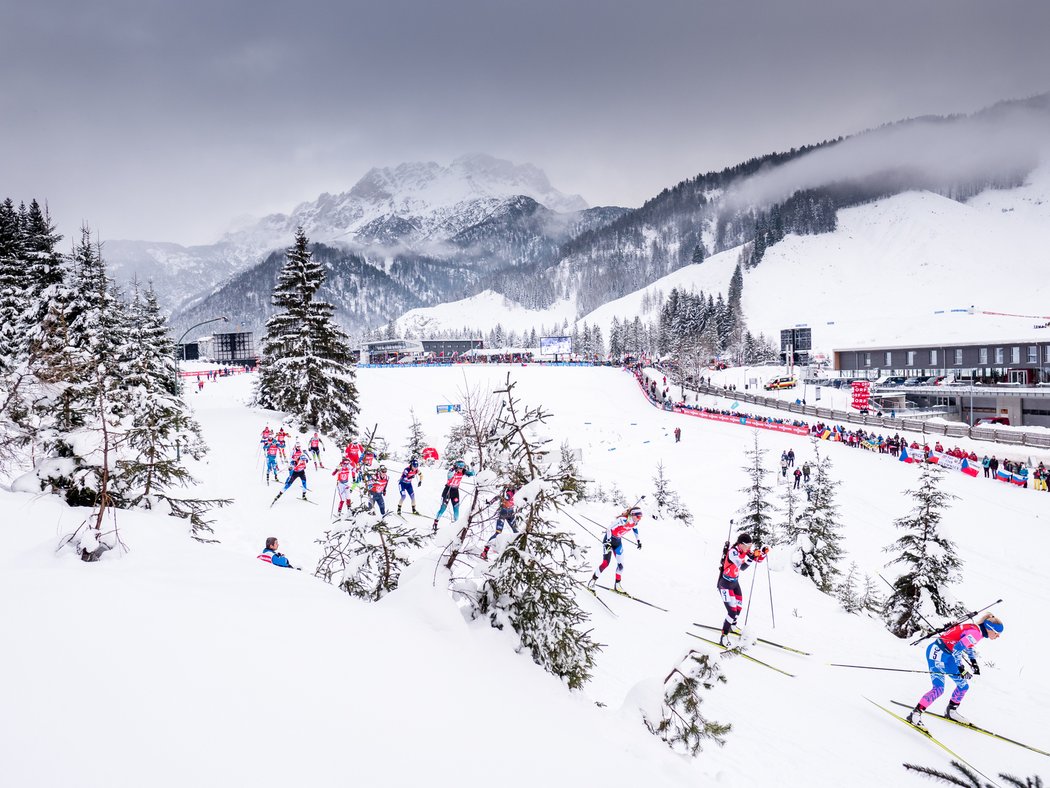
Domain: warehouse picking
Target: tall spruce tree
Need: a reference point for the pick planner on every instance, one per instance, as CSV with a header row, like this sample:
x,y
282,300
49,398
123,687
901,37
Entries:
x,y
815,534
757,511
929,559
306,369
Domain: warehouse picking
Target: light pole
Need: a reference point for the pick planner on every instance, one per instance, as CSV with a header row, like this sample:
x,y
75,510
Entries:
x,y
182,348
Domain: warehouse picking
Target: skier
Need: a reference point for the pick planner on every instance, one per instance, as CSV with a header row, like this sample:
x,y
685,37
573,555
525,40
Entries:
x,y
735,560
404,485
952,654
271,556
342,484
612,543
377,489
267,433
282,437
296,470
271,449
506,515
315,450
450,494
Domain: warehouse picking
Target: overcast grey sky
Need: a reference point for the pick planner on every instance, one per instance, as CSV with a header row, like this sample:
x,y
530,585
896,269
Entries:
x,y
167,119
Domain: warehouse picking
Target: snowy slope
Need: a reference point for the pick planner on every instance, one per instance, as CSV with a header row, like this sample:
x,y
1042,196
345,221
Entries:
x,y
483,312
893,270
194,663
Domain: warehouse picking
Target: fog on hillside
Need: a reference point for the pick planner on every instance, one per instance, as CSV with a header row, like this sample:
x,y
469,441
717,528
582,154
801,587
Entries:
x,y
995,147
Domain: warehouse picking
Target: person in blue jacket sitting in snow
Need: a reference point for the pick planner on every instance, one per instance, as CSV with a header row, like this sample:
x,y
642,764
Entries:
x,y
271,556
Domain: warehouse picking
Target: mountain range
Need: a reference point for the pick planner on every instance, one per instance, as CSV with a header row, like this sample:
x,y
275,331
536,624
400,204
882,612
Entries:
x,y
420,235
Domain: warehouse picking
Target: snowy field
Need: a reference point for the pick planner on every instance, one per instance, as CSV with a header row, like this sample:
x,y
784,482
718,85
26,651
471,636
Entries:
x,y
178,663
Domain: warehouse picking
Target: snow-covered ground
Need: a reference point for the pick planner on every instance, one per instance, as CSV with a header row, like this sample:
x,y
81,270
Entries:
x,y
179,663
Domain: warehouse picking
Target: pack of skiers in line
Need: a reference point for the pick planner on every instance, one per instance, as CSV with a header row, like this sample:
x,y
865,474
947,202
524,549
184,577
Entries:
x,y
951,655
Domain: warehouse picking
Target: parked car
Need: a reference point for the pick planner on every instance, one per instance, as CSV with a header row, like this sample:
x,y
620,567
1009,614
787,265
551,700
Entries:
x,y
932,380
783,382
912,382
995,420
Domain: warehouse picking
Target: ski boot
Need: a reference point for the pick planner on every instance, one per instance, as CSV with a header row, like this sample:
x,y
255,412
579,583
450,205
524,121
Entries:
x,y
619,588
954,715
399,509
485,553
415,510
435,525
915,718
304,495
723,641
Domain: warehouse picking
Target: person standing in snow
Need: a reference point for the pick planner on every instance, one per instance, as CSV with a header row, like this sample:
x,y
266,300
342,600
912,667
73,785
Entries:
x,y
677,434
404,484
612,544
450,494
271,556
296,470
798,477
342,476
506,515
952,654
315,449
784,465
736,559
805,472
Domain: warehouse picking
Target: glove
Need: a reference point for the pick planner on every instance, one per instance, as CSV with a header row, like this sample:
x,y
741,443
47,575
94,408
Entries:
x,y
976,669
639,544
964,671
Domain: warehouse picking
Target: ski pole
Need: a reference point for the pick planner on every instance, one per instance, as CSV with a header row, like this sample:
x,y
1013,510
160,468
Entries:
x,y
769,579
331,509
750,594
920,615
875,667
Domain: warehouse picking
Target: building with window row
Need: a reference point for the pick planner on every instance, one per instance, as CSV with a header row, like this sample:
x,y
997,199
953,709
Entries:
x,y
1024,361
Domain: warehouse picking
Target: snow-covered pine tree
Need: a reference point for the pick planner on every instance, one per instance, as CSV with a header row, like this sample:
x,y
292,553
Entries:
x,y
815,535
668,502
790,512
757,512
162,428
871,600
417,441
306,369
847,592
366,559
929,559
573,484
531,586
682,724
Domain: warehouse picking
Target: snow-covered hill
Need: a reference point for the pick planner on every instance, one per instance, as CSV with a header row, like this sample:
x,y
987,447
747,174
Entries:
x,y
893,271
179,662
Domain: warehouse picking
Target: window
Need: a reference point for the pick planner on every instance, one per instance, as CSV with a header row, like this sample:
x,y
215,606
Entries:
x,y
933,357
889,357
1046,354
1015,355
911,358
999,357
958,357
982,355
867,359
1033,354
